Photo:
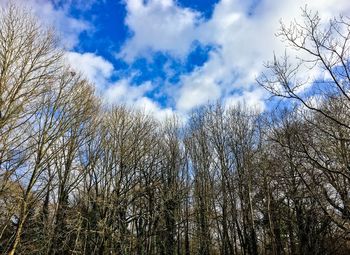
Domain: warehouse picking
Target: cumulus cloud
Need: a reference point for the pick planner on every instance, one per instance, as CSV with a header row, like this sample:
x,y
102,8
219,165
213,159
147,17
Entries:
x,y
159,25
201,86
58,16
149,106
99,71
95,68
252,99
243,33
123,92
78,4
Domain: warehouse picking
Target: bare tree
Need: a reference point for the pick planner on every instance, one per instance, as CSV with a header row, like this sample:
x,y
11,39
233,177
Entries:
x,y
322,103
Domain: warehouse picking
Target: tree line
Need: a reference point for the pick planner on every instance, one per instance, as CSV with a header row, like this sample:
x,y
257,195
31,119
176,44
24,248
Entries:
x,y
79,177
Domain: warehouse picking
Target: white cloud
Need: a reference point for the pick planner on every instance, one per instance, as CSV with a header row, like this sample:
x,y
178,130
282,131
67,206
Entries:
x,y
150,107
122,92
253,99
97,69
78,4
68,27
159,25
201,86
244,42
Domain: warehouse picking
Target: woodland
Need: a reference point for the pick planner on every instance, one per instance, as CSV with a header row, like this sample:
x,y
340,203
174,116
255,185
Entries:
x,y
80,177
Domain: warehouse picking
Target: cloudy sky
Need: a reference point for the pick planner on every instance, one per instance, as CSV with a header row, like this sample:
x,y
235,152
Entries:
x,y
174,55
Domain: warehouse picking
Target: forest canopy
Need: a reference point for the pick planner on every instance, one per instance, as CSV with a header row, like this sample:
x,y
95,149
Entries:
x,y
78,177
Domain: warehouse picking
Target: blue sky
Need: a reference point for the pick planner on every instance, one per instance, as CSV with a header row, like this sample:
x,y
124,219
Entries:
x,y
168,56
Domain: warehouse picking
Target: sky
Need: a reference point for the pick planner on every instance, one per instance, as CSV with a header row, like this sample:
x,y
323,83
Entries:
x,y
171,56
